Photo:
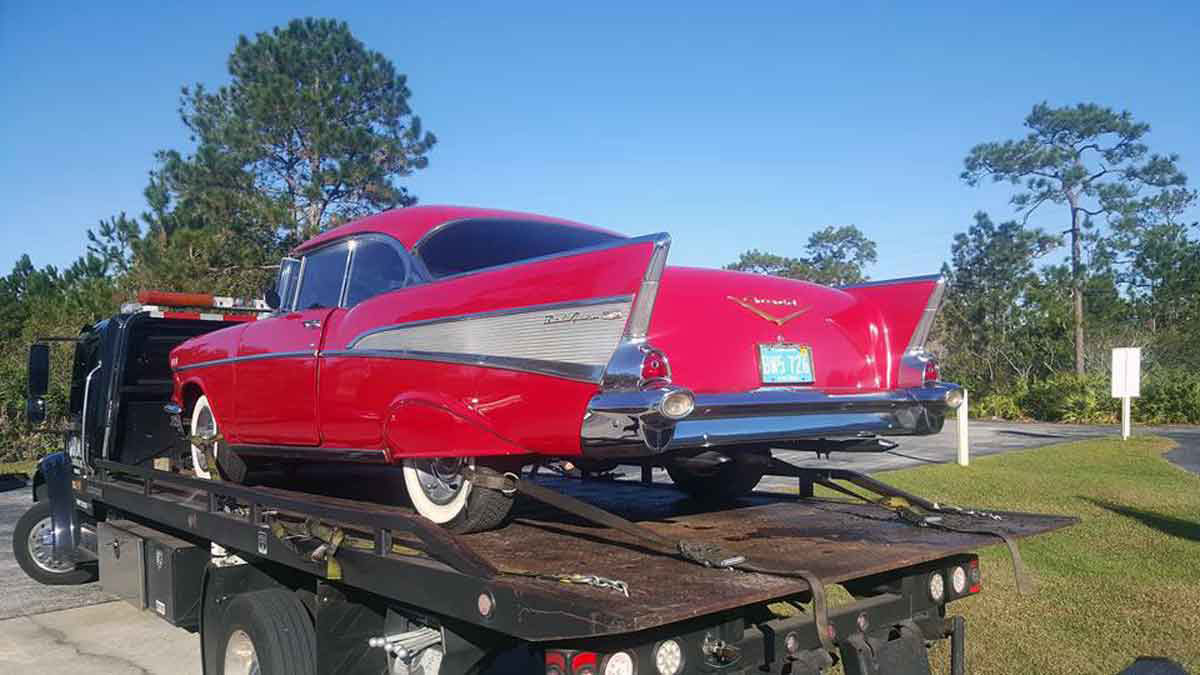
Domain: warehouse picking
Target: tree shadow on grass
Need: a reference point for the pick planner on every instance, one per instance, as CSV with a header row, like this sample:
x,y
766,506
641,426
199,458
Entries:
x,y
1169,525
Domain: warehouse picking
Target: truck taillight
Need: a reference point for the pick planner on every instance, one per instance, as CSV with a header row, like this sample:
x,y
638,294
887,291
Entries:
x,y
655,368
571,662
931,373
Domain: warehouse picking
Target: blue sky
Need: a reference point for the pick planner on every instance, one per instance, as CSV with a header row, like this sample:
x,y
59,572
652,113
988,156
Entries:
x,y
731,125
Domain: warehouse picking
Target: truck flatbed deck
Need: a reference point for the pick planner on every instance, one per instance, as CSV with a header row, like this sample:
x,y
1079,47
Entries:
x,y
834,539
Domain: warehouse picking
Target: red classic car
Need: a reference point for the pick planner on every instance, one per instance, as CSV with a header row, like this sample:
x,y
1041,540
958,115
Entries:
x,y
438,337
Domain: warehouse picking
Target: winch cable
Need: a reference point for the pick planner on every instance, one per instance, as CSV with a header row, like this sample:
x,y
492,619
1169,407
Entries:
x,y
700,553
901,503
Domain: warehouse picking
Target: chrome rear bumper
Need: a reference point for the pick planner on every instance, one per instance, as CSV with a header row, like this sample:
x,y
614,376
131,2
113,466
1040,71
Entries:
x,y
629,424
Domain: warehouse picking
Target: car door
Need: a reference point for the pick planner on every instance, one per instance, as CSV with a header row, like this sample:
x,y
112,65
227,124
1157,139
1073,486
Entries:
x,y
276,369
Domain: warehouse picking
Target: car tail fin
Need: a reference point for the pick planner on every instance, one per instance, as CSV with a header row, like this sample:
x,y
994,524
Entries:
x,y
908,307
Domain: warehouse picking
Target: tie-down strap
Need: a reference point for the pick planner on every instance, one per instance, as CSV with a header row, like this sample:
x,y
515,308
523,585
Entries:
x,y
700,553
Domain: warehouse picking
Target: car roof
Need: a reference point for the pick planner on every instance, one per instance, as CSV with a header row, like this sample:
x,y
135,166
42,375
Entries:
x,y
409,225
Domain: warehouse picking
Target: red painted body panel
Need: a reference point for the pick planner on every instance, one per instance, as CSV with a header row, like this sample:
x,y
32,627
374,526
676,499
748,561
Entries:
x,y
317,390
275,399
711,341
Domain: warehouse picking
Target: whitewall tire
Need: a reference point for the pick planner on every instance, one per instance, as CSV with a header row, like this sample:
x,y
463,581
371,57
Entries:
x,y
204,423
440,493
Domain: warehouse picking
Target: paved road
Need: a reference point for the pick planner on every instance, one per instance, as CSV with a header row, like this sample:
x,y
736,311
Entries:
x,y
82,630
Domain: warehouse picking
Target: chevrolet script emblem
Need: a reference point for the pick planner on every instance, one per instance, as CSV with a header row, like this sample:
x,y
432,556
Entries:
x,y
777,320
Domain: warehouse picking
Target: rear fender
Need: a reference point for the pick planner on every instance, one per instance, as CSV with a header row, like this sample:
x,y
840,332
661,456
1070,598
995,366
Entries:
x,y
422,424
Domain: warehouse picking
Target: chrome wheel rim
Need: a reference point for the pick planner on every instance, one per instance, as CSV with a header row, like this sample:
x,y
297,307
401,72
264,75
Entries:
x,y
240,657
441,479
41,548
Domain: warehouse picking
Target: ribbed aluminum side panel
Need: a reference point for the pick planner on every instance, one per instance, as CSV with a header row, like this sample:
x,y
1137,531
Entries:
x,y
585,334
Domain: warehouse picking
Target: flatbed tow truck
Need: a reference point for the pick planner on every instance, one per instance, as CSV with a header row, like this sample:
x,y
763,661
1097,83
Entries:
x,y
593,576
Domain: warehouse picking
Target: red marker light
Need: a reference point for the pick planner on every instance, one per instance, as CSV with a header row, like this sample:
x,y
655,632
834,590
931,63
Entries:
x,y
654,367
931,373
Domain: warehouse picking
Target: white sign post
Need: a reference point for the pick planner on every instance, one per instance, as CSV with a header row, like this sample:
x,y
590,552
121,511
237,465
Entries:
x,y
964,457
1126,381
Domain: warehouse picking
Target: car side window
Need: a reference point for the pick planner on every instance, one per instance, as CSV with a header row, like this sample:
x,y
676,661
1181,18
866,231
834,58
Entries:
x,y
322,277
377,266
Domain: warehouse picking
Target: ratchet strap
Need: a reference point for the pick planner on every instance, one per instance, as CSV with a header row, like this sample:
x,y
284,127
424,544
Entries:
x,y
902,504
700,553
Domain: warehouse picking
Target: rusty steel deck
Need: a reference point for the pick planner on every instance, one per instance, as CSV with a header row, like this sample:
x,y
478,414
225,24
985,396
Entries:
x,y
835,540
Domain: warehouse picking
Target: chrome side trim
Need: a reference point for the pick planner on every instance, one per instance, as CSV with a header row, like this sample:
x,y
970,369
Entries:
x,y
83,439
569,371
643,306
888,282
583,332
236,359
313,453
491,313
917,342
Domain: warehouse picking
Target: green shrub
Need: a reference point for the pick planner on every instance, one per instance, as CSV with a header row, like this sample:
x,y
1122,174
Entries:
x,y
1004,406
1071,398
1169,396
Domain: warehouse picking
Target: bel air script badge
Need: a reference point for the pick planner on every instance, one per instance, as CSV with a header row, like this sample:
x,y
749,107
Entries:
x,y
748,304
579,317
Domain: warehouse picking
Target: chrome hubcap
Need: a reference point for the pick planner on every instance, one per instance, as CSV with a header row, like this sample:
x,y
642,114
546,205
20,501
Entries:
x,y
240,657
41,548
441,479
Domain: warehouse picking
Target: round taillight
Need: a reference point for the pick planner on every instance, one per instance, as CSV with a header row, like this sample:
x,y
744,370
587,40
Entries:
x,y
654,367
620,663
937,587
931,373
958,580
668,658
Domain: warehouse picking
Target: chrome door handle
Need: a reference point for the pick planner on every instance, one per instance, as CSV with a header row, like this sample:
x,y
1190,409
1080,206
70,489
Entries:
x,y
311,323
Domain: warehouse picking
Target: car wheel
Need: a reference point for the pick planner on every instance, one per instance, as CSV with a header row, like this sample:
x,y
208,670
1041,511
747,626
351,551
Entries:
x,y
32,549
439,491
724,482
204,423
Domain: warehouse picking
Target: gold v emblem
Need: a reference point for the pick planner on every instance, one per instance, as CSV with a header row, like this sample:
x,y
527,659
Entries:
x,y
777,320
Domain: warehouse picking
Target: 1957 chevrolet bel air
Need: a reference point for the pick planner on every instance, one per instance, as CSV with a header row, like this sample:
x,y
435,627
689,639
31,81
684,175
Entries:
x,y
442,337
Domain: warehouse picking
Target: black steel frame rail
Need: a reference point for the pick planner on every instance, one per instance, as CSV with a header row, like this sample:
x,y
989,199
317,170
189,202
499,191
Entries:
x,y
450,582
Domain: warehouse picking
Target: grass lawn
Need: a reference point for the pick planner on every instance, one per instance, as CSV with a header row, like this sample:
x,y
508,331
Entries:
x,y
1123,583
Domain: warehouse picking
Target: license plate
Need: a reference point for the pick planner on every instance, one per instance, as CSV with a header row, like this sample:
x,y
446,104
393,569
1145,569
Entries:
x,y
785,364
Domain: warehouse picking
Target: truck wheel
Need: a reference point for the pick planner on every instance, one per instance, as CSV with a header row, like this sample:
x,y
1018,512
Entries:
x,y
267,632
723,483
33,550
230,467
440,493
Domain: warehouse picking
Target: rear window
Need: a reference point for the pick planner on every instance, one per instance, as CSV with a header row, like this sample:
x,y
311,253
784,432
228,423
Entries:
x,y
472,245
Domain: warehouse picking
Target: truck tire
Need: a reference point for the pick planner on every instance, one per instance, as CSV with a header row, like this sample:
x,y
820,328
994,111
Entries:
x,y
268,632
230,467
33,552
439,492
724,483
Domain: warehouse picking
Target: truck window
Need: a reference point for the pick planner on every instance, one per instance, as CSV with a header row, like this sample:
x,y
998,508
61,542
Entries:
x,y
377,266
470,245
324,272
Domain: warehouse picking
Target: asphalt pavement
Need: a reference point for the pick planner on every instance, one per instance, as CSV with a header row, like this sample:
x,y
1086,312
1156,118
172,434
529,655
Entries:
x,y
81,629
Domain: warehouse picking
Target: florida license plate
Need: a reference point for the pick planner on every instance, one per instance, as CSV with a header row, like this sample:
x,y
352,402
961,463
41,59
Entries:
x,y
785,364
